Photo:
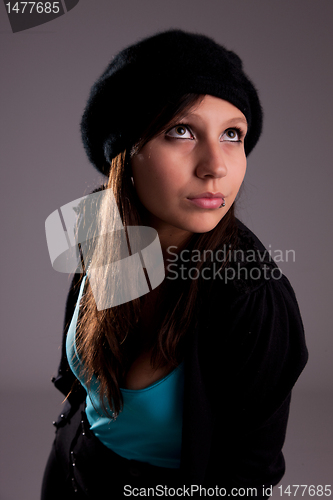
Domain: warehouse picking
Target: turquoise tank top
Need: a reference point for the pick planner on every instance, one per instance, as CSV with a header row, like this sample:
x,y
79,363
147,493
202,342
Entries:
x,y
149,428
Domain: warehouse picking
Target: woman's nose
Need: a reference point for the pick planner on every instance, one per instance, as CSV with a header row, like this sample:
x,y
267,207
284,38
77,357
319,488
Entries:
x,y
211,160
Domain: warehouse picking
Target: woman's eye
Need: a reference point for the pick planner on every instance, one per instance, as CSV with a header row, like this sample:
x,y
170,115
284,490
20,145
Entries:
x,y
232,135
180,132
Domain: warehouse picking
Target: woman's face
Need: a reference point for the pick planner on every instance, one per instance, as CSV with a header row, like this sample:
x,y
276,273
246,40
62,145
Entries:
x,y
182,174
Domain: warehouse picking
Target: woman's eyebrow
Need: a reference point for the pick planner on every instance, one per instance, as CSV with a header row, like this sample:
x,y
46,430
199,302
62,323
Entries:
x,y
233,121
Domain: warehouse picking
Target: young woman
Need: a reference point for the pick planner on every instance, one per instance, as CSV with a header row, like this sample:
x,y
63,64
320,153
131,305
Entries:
x,y
189,385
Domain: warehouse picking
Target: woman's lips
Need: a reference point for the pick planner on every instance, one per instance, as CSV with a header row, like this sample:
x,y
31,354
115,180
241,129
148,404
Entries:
x,y
208,200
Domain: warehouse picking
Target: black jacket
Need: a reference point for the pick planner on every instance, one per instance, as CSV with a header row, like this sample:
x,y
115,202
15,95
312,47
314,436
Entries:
x,y
243,358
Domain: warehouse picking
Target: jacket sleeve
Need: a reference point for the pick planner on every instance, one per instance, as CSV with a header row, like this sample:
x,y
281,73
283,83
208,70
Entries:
x,y
65,381
261,353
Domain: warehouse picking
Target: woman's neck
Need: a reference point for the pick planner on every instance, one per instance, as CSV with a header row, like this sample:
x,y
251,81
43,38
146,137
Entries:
x,y
170,237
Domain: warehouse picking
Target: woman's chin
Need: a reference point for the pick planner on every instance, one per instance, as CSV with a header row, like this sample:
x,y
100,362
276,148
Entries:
x,y
204,224
201,227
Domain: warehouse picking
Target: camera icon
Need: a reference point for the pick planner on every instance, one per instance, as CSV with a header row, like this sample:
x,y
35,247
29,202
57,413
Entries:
x,y
121,264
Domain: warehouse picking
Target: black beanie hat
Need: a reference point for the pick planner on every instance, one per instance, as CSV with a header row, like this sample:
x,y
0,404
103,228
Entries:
x,y
142,78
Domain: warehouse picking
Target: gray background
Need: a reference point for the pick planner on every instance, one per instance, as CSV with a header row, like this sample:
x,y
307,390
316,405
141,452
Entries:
x,y
46,73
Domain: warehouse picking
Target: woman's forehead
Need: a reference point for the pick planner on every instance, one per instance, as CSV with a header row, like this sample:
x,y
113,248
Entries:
x,y
210,107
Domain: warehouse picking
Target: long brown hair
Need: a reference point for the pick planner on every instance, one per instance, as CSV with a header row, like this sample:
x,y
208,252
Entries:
x,y
105,339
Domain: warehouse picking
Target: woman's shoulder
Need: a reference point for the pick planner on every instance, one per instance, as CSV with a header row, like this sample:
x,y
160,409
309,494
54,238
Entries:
x,y
253,320
250,265
250,283
250,300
